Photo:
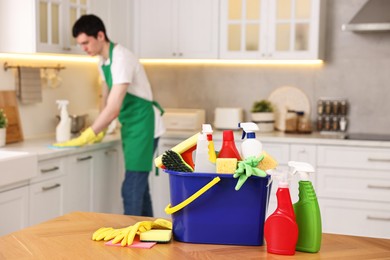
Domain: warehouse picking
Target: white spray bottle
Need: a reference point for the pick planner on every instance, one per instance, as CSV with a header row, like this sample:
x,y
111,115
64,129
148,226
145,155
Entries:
x,y
205,153
63,127
251,146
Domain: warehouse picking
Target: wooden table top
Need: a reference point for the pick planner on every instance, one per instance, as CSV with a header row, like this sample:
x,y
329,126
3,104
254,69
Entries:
x,y
69,237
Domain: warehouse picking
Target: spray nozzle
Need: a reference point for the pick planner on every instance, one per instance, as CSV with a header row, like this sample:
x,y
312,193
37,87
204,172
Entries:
x,y
302,168
248,127
282,176
207,130
62,103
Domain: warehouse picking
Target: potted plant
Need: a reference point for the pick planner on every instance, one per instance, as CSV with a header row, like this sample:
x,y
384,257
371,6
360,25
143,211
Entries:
x,y
263,114
3,126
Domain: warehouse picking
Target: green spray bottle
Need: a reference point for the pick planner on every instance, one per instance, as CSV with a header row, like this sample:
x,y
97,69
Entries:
x,y
307,210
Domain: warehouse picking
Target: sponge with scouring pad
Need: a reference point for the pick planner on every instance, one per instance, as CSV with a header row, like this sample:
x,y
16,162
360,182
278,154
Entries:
x,y
156,235
267,163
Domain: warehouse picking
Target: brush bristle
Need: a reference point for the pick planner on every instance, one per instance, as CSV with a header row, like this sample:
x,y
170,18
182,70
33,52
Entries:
x,y
174,162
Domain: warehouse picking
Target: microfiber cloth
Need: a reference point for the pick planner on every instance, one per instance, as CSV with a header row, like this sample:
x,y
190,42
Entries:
x,y
62,147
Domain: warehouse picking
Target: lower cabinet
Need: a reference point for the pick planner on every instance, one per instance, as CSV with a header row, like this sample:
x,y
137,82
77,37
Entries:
x,y
107,181
14,210
46,200
78,181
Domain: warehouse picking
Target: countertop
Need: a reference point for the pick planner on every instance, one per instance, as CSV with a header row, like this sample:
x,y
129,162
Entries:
x,y
42,146
69,237
314,138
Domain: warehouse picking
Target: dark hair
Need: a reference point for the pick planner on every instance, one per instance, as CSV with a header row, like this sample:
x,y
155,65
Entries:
x,y
90,25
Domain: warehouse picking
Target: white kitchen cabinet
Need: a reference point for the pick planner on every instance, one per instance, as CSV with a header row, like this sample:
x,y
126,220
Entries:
x,y
118,18
78,187
271,29
14,210
31,26
353,187
46,192
176,28
107,181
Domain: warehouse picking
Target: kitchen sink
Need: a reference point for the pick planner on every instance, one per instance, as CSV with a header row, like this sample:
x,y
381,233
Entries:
x,y
17,166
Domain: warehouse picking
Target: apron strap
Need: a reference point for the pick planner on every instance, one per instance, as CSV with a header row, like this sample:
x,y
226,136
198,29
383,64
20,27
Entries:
x,y
156,104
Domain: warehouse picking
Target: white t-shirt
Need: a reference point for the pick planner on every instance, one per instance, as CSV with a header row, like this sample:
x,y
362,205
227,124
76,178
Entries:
x,y
126,68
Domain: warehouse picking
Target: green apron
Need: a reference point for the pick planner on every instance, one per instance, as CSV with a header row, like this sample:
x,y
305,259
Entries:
x,y
137,119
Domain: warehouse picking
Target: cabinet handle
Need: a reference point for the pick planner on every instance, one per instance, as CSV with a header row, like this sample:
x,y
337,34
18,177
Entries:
x,y
55,168
84,158
51,187
378,160
66,48
173,53
370,186
108,152
378,218
180,54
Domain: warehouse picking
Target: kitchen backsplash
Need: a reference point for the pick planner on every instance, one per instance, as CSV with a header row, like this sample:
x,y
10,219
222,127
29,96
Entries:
x,y
356,67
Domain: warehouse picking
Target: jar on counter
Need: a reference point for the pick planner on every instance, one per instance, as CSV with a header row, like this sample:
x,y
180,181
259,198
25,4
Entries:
x,y
327,123
320,107
328,107
304,123
320,123
291,122
343,107
343,124
335,123
335,107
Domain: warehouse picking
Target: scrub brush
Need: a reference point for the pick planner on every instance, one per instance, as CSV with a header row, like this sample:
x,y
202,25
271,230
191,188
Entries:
x,y
174,162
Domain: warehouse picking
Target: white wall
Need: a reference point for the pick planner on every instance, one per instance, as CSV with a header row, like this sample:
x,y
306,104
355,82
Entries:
x,y
80,85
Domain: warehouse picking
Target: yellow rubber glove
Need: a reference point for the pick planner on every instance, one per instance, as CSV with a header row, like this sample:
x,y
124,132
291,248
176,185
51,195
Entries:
x,y
99,137
86,136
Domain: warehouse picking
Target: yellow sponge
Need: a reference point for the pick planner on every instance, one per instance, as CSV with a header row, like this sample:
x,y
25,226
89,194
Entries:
x,y
267,163
156,235
226,165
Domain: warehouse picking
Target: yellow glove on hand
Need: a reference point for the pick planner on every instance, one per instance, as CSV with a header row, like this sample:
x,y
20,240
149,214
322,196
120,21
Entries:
x,y
85,137
99,137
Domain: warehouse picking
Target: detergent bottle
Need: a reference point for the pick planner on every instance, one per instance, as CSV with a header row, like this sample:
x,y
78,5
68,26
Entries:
x,y
205,154
307,210
228,149
280,228
63,127
250,146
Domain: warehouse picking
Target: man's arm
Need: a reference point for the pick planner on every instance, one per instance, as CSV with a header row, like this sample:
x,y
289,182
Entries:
x,y
112,106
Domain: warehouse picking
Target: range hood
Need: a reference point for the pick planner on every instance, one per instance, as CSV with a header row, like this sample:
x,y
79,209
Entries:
x,y
373,16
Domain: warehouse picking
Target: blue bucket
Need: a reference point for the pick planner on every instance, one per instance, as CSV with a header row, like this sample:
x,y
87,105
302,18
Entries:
x,y
220,215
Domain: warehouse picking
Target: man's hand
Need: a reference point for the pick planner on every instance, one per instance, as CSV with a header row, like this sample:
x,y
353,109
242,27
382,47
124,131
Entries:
x,y
85,138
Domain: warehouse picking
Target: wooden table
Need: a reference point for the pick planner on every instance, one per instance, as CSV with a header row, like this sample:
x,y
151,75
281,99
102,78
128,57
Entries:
x,y
69,237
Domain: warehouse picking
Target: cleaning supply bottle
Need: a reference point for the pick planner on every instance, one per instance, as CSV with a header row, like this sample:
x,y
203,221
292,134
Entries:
x,y
280,228
251,146
202,156
228,149
307,211
208,131
63,127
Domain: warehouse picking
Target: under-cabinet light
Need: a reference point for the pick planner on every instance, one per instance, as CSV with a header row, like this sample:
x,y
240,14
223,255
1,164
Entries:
x,y
231,62
49,57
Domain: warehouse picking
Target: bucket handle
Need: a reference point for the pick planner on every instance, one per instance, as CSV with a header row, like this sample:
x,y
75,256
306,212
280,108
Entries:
x,y
170,210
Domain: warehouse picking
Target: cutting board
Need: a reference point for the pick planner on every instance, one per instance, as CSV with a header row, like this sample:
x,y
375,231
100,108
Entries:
x,y
9,104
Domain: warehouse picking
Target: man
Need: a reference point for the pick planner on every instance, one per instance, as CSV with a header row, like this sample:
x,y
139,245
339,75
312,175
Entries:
x,y
127,95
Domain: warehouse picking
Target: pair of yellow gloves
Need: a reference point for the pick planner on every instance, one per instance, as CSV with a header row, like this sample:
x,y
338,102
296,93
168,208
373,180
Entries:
x,y
126,235
88,136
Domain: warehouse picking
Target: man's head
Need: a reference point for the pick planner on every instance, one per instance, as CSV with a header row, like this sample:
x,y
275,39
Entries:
x,y
90,34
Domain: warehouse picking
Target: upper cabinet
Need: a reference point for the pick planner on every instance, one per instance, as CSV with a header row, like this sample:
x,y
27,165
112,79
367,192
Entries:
x,y
271,29
30,26
176,28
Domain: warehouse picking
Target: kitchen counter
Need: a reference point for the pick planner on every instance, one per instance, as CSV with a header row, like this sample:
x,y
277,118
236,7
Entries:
x,y
281,137
41,146
69,237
